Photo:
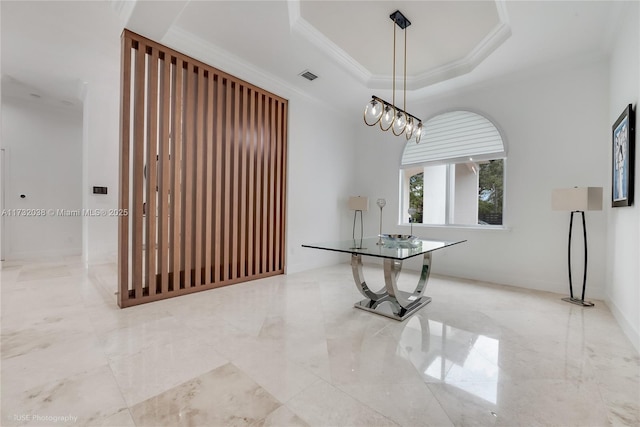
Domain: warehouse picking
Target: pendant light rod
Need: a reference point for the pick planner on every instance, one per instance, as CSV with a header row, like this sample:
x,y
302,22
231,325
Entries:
x,y
404,104
393,82
387,115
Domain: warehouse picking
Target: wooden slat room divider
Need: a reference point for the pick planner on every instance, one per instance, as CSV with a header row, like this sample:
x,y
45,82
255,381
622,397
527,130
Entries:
x,y
202,176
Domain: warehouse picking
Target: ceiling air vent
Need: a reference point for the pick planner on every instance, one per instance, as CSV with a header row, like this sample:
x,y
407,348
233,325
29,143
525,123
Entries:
x,y
308,75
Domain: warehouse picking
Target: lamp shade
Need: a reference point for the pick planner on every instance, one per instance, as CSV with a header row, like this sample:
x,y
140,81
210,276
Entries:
x,y
577,199
358,203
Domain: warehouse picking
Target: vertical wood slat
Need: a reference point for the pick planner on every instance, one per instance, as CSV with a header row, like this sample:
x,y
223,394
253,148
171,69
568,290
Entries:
x,y
272,181
257,240
243,184
265,188
125,147
164,173
176,173
151,171
235,181
251,195
208,217
214,149
278,192
188,177
217,246
137,197
283,175
226,246
199,182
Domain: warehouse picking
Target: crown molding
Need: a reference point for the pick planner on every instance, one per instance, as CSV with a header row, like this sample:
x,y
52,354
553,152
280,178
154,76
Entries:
x,y
301,27
124,9
496,37
619,11
488,45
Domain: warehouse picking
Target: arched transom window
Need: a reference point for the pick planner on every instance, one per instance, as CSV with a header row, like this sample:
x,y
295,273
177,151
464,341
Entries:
x,y
455,175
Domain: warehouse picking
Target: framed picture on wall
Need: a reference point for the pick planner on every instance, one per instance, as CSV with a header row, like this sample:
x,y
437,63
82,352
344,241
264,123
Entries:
x,y
623,145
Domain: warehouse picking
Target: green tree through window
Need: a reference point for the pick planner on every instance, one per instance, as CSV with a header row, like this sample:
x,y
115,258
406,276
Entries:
x,y
416,187
491,192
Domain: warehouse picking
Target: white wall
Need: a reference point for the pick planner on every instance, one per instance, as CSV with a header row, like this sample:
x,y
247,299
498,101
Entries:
x,y
623,252
320,180
43,161
101,141
554,121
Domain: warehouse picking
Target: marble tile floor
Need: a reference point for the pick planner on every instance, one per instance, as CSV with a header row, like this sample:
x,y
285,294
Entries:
x,y
292,351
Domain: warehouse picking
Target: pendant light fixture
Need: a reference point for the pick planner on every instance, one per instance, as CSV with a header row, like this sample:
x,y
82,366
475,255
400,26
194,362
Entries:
x,y
387,114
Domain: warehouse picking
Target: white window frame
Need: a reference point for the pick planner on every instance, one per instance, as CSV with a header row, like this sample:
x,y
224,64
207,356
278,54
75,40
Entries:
x,y
407,170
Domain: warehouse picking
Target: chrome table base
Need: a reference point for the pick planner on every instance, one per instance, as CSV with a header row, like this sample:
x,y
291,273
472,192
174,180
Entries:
x,y
391,310
389,301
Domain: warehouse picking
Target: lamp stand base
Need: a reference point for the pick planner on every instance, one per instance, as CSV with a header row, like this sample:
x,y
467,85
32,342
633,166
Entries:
x,y
577,301
571,299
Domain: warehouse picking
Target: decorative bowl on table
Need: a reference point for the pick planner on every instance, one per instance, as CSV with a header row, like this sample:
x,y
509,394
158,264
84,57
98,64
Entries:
x,y
399,240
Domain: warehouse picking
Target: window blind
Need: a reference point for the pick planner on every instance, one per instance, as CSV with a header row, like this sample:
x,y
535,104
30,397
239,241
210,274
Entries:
x,y
455,137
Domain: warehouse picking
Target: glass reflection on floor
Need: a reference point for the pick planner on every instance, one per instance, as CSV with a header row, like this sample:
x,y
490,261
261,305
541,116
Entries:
x,y
445,353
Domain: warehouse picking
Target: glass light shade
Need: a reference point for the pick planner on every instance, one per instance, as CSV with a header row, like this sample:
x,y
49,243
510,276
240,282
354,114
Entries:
x,y
409,128
381,203
372,112
386,121
418,132
399,123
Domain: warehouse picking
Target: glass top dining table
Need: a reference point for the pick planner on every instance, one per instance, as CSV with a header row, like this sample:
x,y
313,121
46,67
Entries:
x,y
388,301
371,246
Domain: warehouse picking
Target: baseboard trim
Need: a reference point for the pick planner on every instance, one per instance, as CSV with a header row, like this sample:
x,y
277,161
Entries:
x,y
57,253
626,326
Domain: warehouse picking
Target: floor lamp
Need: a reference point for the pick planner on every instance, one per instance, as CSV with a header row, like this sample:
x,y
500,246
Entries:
x,y
577,200
358,204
